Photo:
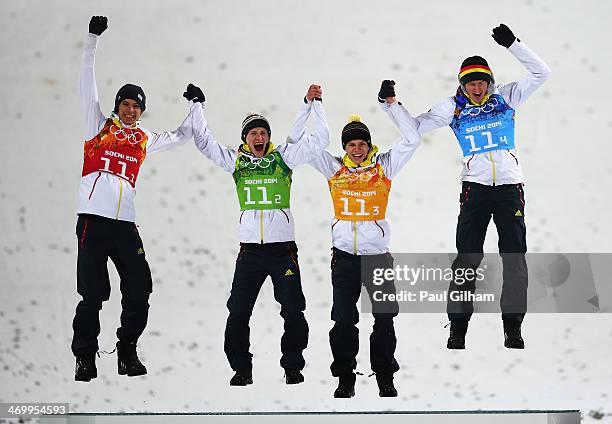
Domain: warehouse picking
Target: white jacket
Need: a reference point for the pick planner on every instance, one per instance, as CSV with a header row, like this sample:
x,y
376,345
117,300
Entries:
x,y
499,166
372,237
102,193
274,225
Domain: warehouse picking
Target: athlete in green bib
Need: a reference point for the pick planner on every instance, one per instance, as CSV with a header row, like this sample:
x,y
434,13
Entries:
x,y
262,173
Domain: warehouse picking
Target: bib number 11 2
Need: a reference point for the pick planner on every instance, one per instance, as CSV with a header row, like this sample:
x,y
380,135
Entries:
x,y
264,195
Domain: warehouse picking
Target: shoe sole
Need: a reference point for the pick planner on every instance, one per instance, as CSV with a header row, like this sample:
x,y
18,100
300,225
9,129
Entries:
x,y
241,384
122,371
85,380
455,347
344,396
386,395
514,347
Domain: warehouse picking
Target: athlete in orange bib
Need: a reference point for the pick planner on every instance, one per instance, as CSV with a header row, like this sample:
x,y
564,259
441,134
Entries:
x,y
359,183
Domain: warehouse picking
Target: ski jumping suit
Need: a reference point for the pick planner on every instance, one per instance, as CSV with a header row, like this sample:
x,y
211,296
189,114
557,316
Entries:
x,y
106,215
360,239
267,241
492,181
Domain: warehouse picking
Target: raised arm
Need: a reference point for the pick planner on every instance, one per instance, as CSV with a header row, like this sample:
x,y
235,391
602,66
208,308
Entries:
x,y
170,139
302,147
515,93
221,156
403,149
90,103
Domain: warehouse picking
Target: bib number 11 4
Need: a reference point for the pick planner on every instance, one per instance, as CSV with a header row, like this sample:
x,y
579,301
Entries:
x,y
489,144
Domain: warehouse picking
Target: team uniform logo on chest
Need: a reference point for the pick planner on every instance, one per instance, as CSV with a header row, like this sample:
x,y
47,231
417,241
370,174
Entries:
x,y
360,195
484,128
116,150
262,183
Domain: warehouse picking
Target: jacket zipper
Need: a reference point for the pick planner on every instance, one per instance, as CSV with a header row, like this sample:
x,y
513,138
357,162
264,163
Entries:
x,y
354,237
492,166
120,197
261,226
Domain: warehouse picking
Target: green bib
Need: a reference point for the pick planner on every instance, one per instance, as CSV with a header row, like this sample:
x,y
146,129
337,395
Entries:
x,y
262,183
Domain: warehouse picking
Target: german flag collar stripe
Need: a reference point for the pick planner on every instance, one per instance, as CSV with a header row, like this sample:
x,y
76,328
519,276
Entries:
x,y
474,68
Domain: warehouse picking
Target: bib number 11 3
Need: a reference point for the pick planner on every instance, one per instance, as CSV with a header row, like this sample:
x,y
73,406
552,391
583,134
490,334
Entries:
x,y
362,206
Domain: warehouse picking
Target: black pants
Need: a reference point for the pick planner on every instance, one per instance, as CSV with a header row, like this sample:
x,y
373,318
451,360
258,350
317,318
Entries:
x,y
98,239
344,335
255,262
506,204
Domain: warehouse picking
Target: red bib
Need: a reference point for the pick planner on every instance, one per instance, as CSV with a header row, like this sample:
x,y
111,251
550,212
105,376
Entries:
x,y
117,150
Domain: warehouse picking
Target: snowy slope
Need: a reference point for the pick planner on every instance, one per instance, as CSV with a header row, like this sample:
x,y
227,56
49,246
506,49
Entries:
x,y
262,56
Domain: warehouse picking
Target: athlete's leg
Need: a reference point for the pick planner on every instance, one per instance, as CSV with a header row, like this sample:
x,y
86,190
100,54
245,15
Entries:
x,y
344,335
285,273
474,217
509,217
136,284
94,245
249,275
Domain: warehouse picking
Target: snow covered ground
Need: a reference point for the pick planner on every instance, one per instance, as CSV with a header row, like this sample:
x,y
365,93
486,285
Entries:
x,y
262,56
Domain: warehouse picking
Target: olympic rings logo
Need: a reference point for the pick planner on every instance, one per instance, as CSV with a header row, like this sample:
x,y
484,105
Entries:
x,y
486,108
122,134
262,163
364,176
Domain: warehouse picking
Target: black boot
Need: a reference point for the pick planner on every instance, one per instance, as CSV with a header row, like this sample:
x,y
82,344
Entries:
x,y
512,335
242,378
456,339
293,377
127,360
385,385
346,386
85,367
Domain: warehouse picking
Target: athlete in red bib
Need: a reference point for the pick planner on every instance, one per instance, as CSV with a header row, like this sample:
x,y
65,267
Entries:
x,y
114,150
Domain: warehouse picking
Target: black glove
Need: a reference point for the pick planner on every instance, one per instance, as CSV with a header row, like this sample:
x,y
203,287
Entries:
x,y
503,36
386,90
194,93
98,24
316,98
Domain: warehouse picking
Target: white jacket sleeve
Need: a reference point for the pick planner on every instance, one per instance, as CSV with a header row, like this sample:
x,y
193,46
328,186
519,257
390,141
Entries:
x,y
90,103
403,149
302,147
515,93
326,163
170,139
221,156
440,115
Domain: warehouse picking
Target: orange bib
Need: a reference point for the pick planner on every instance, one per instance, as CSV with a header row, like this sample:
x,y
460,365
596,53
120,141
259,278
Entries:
x,y
116,150
360,195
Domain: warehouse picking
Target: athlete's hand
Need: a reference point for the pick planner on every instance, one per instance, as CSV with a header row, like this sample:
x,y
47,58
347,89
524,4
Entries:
x,y
98,24
194,93
314,93
503,36
387,92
